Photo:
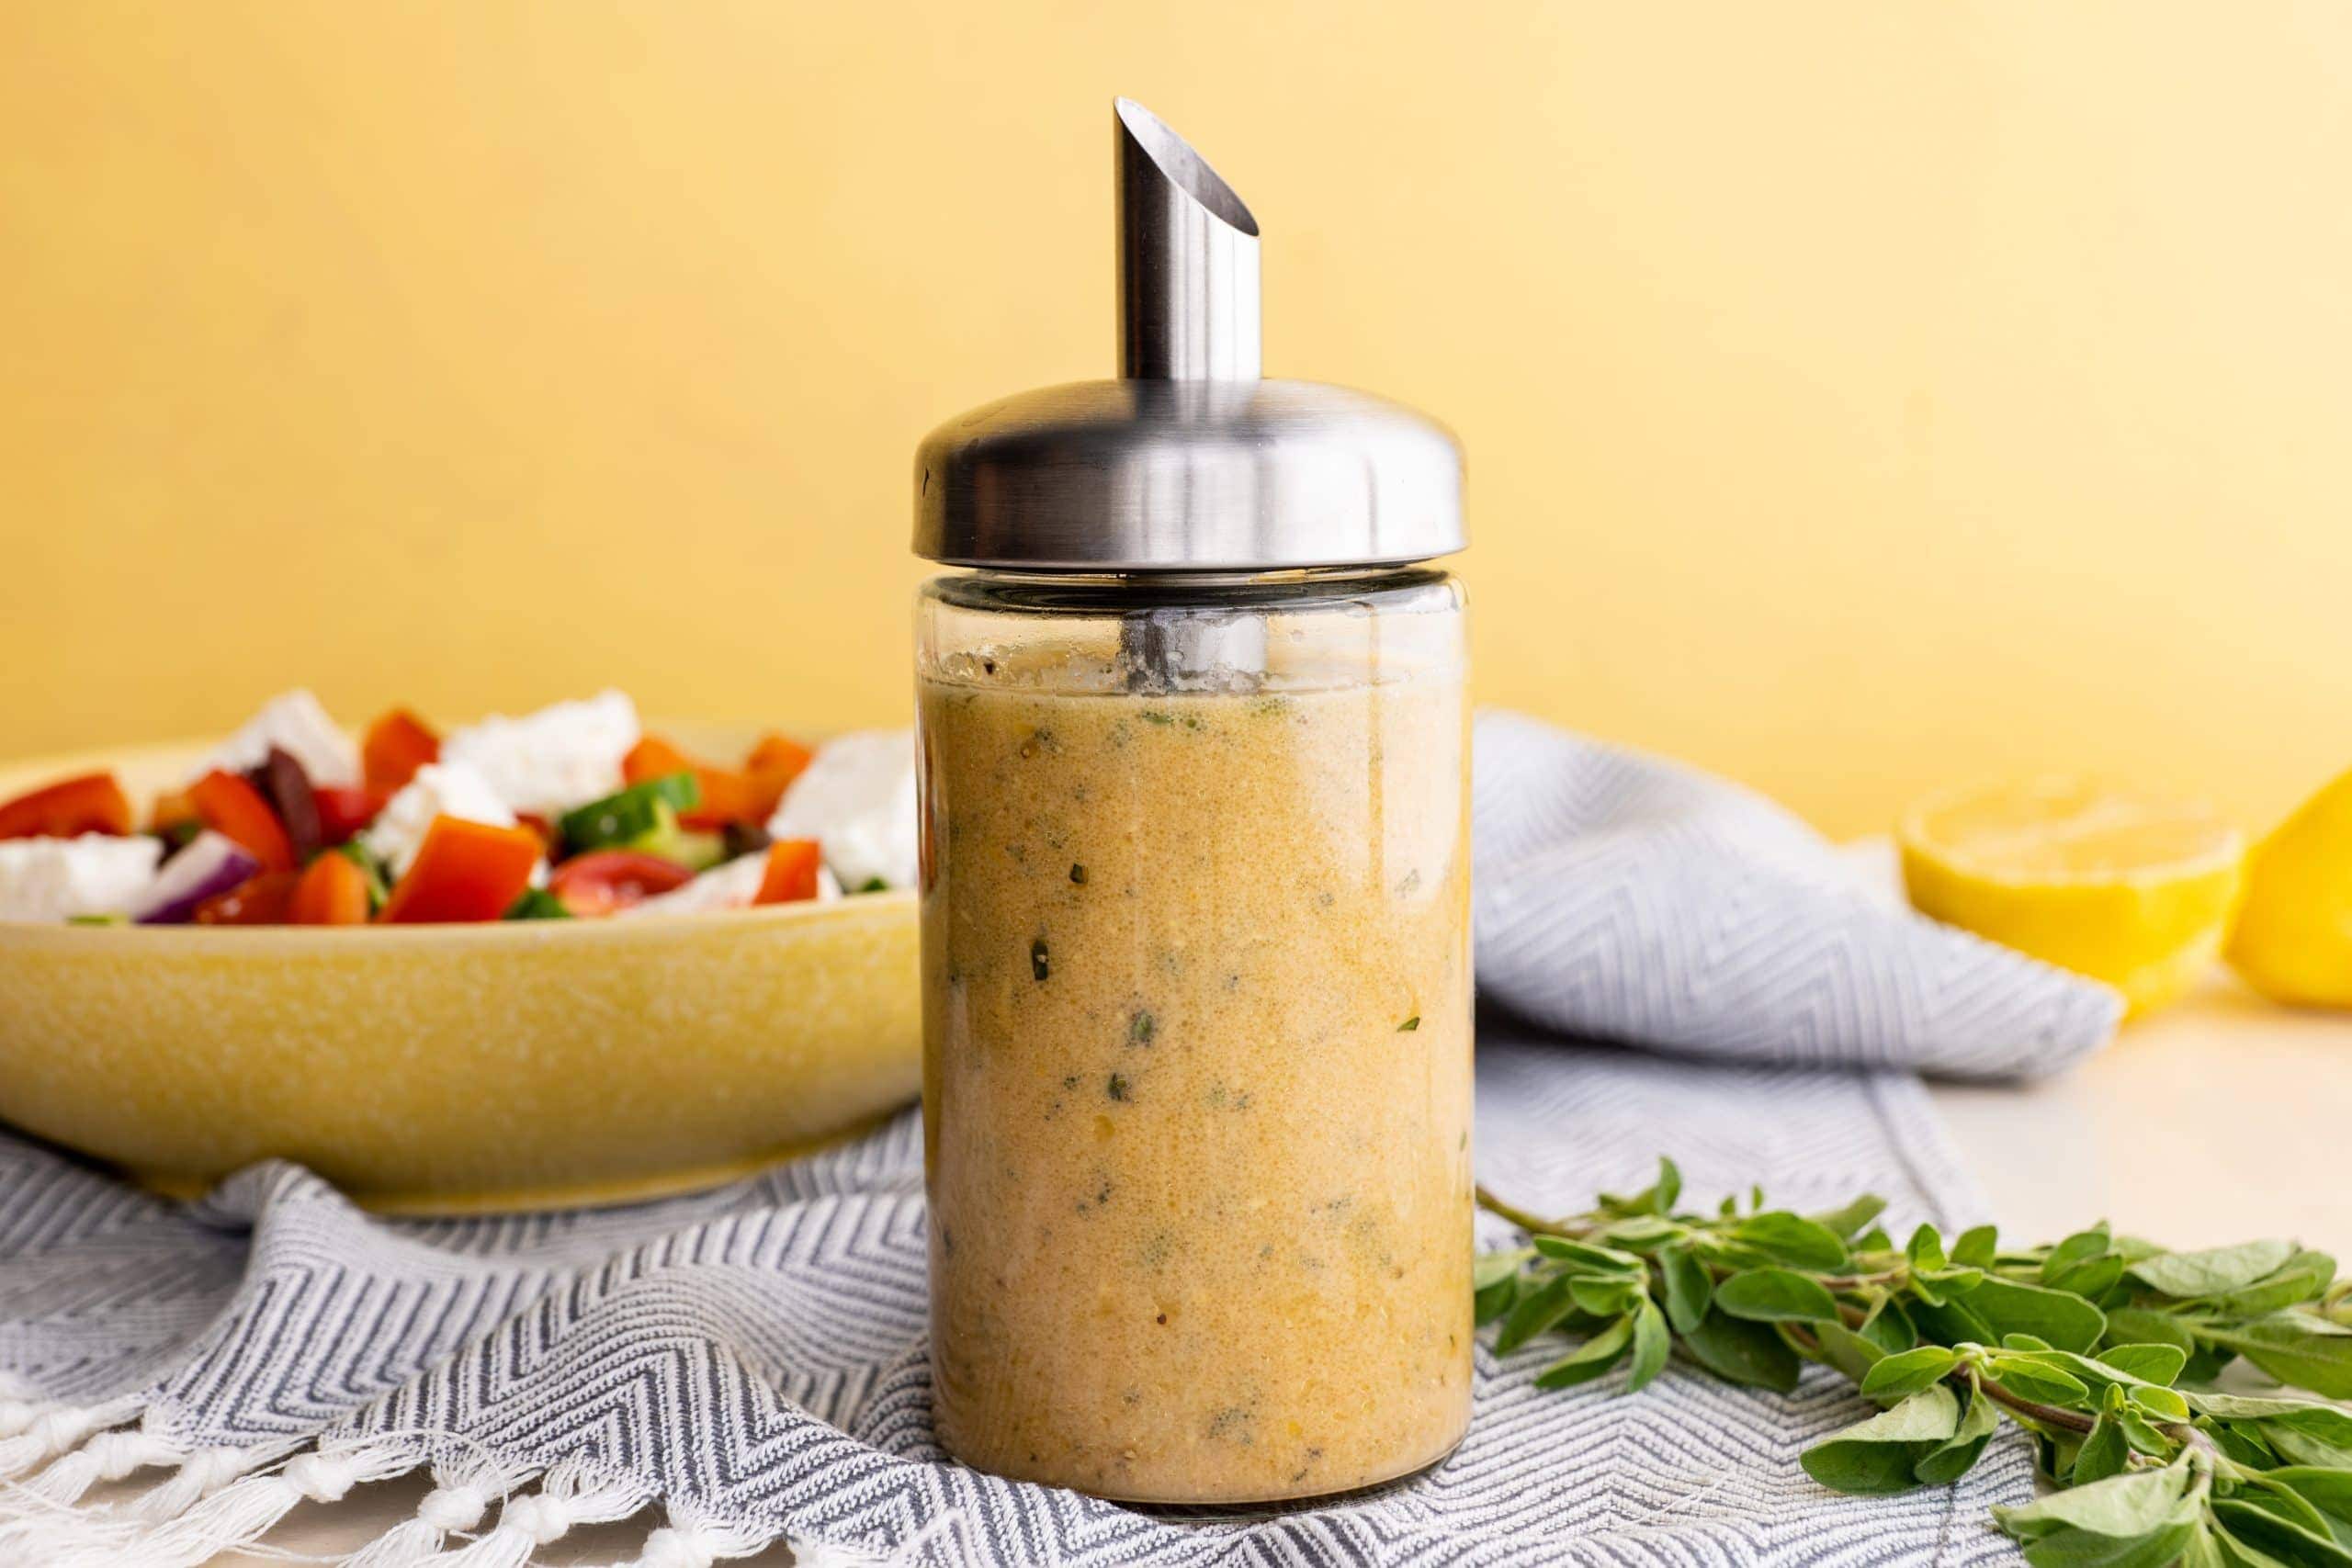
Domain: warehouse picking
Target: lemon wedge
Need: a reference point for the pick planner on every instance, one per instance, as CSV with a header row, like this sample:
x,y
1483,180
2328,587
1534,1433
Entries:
x,y
2127,888
2293,939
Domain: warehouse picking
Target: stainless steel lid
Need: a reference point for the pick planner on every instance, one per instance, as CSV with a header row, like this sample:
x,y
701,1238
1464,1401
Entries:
x,y
1189,462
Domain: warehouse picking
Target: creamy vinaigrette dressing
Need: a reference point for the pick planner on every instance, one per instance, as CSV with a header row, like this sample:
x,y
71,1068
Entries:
x,y
1197,1083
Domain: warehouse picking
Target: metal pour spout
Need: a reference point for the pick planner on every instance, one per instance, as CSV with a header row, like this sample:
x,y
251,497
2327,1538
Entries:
x,y
1188,260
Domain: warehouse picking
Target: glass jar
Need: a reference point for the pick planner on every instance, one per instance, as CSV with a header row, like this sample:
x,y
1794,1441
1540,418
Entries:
x,y
1195,903
1197,1048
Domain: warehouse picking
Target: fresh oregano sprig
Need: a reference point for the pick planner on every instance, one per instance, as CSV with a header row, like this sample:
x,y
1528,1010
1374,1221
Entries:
x,y
2103,1347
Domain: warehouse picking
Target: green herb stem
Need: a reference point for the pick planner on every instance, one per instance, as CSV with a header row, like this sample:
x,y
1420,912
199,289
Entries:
x,y
1533,1225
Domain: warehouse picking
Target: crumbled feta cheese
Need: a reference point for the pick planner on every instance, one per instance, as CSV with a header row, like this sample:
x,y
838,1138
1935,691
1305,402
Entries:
x,y
546,763
296,725
439,789
56,879
857,800
729,886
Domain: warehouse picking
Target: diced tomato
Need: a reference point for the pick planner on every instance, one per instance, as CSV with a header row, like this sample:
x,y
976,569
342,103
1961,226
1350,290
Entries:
x,y
172,808
541,825
92,802
264,900
727,795
233,808
397,744
605,880
791,874
332,891
774,763
344,810
463,871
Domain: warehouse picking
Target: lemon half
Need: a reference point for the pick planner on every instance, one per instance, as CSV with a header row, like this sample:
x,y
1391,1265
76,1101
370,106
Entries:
x,y
2132,889
2293,941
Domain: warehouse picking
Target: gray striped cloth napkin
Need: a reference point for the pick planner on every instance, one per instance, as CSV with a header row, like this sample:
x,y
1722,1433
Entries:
x,y
749,1362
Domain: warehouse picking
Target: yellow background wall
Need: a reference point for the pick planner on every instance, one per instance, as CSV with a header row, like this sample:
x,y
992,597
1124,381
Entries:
x,y
1858,396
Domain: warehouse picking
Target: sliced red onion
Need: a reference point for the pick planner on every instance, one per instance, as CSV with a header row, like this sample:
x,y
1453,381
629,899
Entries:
x,y
212,864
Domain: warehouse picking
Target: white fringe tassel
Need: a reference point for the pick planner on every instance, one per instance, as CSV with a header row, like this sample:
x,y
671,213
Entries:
x,y
691,1540
214,1501
38,1517
463,1490
237,1516
34,1431
203,1473
569,1494
105,1456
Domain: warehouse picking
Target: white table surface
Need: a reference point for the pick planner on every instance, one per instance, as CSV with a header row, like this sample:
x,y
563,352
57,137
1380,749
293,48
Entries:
x,y
2220,1120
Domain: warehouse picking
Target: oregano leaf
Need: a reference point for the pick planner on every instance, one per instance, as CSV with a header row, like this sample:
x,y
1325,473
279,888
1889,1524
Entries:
x,y
1958,1454
1846,1222
1977,1247
2138,1325
1536,1311
1775,1295
2121,1507
2211,1272
2149,1363
1689,1290
1652,1344
2103,1454
2289,1540
2009,1306
1742,1352
2079,1247
2305,1353
1897,1376
1589,1359
1925,1248
2022,1374
1882,1455
1603,1297
2161,1403
1596,1259
1793,1239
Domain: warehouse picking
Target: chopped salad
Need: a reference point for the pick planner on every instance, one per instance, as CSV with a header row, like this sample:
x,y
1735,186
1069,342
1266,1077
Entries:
x,y
572,812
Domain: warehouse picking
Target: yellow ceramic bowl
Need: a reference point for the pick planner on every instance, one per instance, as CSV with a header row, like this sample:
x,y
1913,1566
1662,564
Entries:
x,y
455,1069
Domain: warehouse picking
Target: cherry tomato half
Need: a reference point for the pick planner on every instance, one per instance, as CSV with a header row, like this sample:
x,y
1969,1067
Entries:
x,y
605,880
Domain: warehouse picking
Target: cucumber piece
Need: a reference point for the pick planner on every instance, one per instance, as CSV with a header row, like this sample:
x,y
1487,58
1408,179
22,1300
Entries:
x,y
537,904
619,821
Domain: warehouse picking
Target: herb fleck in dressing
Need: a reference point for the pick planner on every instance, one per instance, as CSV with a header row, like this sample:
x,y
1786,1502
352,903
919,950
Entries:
x,y
1228,1021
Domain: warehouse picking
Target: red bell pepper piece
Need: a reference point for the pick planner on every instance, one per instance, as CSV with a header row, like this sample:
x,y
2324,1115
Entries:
x,y
774,763
791,874
92,802
397,744
330,892
463,871
233,808
344,810
605,880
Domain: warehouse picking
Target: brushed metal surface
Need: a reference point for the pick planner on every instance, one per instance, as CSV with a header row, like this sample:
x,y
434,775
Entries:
x,y
1190,462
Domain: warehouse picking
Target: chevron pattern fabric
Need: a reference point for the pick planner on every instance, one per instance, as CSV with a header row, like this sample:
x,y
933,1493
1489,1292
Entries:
x,y
1626,898
754,1358
752,1361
